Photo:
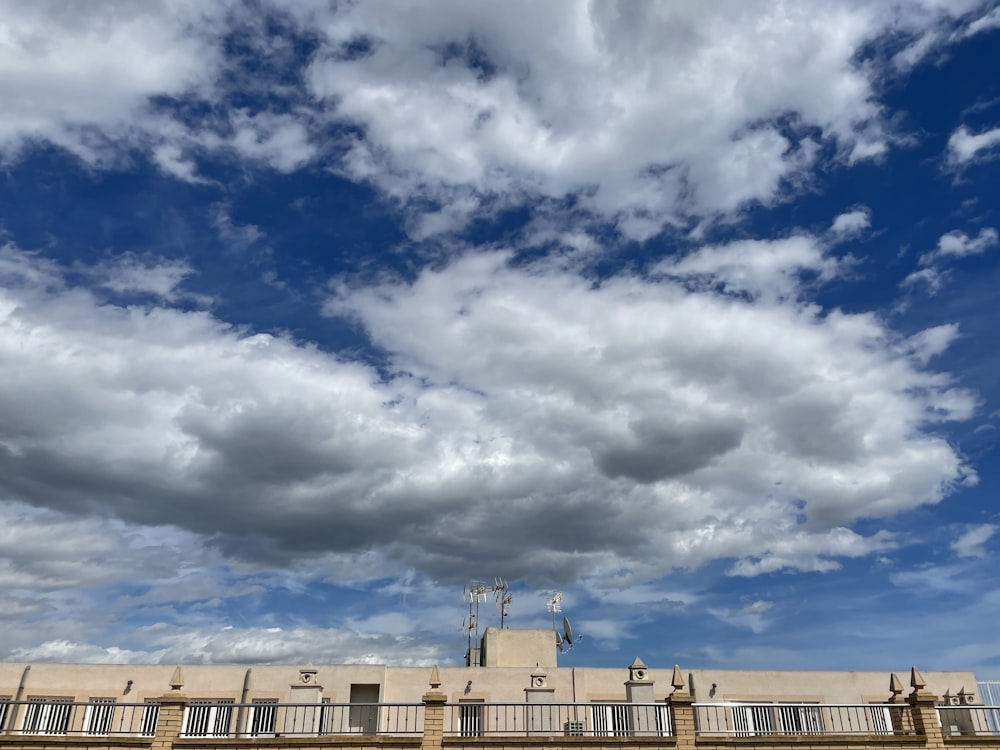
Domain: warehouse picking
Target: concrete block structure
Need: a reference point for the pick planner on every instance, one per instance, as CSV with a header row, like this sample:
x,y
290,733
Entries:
x,y
515,697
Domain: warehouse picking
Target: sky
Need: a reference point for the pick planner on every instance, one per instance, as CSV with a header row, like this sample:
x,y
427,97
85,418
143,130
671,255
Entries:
x,y
313,312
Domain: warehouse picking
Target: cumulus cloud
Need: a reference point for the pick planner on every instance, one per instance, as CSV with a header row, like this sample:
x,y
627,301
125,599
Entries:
x,y
851,223
958,244
645,115
767,269
80,76
539,424
593,101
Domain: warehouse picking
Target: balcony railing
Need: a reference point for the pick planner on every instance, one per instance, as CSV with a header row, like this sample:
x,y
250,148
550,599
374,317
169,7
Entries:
x,y
969,720
204,718
477,719
738,719
97,718
270,718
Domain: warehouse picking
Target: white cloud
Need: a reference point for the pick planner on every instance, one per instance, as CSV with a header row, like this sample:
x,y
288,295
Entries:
x,y
971,542
79,76
170,644
851,223
750,616
648,115
986,22
541,425
130,274
952,245
959,244
766,269
933,278
929,343
964,146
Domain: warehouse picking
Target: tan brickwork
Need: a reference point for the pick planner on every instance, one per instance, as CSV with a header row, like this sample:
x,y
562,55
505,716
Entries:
x,y
923,711
682,719
433,735
170,720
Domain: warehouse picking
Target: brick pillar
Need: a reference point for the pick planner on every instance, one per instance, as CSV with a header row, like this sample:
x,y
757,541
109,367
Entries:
x,y
923,710
682,719
169,721
434,701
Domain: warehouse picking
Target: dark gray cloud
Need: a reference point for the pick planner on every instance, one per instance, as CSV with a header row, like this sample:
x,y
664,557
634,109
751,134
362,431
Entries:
x,y
659,450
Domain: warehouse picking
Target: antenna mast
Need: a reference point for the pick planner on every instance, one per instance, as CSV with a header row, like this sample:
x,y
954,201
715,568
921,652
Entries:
x,y
503,598
474,593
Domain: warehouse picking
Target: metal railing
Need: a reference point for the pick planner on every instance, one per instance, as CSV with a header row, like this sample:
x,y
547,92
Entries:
x,y
478,719
213,718
969,720
60,716
740,719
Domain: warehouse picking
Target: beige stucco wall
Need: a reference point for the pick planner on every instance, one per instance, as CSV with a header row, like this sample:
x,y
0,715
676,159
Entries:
x,y
511,656
491,684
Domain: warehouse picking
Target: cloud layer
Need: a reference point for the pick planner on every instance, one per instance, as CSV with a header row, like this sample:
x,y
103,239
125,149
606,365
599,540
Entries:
x,y
531,420
644,115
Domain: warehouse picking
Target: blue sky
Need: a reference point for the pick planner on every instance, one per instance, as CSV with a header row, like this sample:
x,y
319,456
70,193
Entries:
x,y
313,312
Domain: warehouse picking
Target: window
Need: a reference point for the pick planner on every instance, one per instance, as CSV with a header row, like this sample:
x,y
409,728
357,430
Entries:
x,y
208,718
150,713
777,719
751,720
470,719
263,715
4,706
99,715
801,719
48,715
611,719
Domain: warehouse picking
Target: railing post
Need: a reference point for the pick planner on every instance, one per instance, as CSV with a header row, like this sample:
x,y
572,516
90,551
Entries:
x,y
434,702
923,710
682,712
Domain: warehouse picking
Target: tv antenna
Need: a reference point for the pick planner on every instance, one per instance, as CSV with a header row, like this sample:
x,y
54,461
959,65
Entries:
x,y
554,605
503,598
473,594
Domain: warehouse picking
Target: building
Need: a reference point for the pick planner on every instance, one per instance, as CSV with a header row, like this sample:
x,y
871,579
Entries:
x,y
515,697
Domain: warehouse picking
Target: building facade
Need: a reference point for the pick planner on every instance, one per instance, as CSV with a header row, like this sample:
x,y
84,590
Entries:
x,y
516,696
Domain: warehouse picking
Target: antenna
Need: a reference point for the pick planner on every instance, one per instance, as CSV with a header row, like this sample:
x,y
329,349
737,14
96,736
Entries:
x,y
473,593
554,605
503,598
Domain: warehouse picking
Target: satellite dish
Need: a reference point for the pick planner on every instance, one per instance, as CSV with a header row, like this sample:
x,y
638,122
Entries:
x,y
559,641
568,630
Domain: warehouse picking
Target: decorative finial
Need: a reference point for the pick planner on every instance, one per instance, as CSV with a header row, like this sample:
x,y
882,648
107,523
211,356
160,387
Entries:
x,y
435,678
177,679
677,681
917,681
895,685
